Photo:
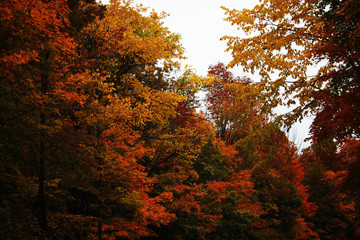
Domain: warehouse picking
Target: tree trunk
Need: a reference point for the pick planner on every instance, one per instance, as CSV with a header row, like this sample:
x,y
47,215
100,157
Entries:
x,y
44,78
99,230
42,200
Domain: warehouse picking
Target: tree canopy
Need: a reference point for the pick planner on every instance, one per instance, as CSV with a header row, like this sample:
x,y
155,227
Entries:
x,y
101,138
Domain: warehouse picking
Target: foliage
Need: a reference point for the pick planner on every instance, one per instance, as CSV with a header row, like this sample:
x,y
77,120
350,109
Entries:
x,y
233,104
288,39
100,139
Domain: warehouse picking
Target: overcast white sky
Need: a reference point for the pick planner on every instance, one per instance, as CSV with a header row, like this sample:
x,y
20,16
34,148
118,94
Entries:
x,y
201,25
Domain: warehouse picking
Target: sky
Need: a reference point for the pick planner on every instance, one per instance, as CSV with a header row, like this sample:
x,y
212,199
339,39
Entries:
x,y
201,24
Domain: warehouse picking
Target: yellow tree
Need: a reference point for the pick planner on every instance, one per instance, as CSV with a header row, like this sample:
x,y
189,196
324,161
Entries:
x,y
307,50
125,59
125,42
282,35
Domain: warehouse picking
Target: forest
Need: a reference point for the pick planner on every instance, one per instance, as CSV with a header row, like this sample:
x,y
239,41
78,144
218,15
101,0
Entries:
x,y
100,136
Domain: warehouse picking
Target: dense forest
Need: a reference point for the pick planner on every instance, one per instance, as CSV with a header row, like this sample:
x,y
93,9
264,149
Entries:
x,y
100,137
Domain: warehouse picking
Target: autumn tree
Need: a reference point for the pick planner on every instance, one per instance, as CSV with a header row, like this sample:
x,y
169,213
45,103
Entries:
x,y
279,181
283,35
276,172
329,186
335,128
34,58
172,164
124,58
288,38
127,43
201,173
86,117
338,117
233,105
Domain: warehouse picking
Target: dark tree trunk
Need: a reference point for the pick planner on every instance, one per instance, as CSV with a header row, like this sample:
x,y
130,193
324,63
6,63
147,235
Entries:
x,y
44,78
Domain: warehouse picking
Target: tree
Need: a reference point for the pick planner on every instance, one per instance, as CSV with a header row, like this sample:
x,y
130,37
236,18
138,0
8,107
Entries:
x,y
121,109
284,35
125,43
276,172
87,118
35,55
292,36
201,174
233,105
337,118
336,216
278,178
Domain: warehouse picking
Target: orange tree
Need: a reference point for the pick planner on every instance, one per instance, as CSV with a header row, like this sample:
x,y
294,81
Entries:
x,y
276,172
124,59
198,171
333,185
278,176
202,175
287,39
35,56
74,116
